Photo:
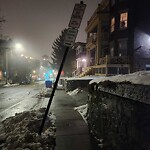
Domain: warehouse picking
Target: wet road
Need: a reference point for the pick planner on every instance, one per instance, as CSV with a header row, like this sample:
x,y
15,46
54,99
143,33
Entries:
x,y
18,99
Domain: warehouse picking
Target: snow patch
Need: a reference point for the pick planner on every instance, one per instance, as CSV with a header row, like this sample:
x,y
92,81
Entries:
x,y
141,77
45,92
21,131
10,85
82,111
90,77
74,92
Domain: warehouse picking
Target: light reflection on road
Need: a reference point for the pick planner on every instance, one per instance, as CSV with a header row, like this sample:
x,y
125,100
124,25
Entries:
x,y
18,99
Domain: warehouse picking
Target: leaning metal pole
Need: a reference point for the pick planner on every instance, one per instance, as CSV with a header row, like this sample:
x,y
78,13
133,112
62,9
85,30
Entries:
x,y
53,91
70,37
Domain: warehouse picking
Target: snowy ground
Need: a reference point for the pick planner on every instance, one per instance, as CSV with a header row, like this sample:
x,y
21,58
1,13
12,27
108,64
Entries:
x,y
81,97
21,132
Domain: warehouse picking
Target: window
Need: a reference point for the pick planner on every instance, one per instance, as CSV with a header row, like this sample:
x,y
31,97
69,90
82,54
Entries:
x,y
112,24
124,20
122,47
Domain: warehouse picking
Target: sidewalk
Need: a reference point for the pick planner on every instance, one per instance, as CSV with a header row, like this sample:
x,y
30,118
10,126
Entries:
x,y
72,132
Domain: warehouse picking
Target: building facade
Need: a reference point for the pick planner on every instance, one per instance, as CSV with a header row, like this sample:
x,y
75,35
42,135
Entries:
x,y
118,38
81,59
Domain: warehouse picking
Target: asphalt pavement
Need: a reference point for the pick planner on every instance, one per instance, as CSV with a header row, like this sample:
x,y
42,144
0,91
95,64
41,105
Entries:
x,y
72,132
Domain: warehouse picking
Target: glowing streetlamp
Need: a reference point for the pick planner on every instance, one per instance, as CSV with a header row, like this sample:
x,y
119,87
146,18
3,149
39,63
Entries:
x,y
83,60
34,71
19,47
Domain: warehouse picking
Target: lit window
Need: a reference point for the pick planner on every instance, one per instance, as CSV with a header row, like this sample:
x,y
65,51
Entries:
x,y
123,20
112,24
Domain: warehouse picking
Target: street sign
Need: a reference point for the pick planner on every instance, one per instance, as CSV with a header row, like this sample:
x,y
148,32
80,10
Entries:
x,y
77,15
70,37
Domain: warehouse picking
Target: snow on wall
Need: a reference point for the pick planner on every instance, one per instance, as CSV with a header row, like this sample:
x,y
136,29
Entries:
x,y
141,77
118,111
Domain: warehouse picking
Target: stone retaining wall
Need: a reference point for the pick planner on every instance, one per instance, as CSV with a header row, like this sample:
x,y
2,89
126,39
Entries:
x,y
119,115
73,84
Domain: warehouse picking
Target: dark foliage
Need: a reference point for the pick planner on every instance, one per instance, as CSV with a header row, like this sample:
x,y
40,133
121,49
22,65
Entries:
x,y
58,53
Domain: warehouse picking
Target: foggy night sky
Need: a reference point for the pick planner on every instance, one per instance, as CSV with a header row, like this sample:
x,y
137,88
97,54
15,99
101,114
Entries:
x,y
37,23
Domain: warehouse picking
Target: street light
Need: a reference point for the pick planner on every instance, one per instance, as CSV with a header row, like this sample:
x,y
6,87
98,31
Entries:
x,y
19,47
83,60
34,71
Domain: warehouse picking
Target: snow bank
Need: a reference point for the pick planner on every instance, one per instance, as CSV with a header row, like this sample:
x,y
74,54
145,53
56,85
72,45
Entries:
x,y
80,97
74,92
141,77
83,78
20,131
45,92
82,111
10,85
